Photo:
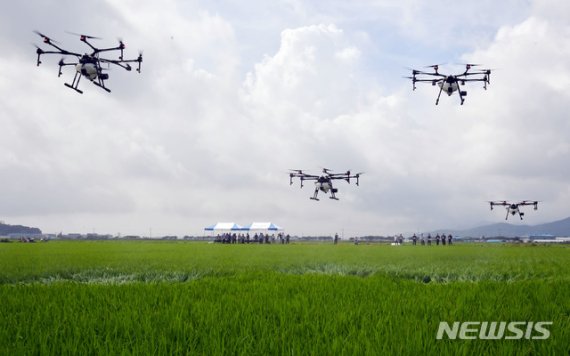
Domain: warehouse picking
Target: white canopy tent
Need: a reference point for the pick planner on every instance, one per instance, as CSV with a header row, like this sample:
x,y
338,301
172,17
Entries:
x,y
224,226
263,226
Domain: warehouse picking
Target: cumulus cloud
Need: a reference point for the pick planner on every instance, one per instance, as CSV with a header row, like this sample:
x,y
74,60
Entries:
x,y
207,132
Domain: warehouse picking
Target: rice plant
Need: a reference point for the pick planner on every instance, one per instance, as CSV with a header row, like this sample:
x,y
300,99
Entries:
x,y
192,298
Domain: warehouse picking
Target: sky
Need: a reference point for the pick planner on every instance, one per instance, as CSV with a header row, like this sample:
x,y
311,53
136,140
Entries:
x,y
232,94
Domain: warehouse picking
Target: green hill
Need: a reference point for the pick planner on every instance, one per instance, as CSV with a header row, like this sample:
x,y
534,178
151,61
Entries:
x,y
6,229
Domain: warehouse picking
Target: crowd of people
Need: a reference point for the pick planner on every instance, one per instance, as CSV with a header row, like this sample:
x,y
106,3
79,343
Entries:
x,y
398,240
258,238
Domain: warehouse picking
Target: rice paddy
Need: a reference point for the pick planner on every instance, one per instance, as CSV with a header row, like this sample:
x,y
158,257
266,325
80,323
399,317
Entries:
x,y
144,297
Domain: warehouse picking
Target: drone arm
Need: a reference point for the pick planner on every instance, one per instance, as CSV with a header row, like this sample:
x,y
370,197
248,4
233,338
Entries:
x,y
138,60
95,50
432,81
62,64
428,80
40,51
61,50
416,72
472,80
485,80
471,74
121,47
121,64
124,63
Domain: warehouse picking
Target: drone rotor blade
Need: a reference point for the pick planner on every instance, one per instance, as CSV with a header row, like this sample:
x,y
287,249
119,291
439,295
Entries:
x,y
82,36
434,66
45,38
469,65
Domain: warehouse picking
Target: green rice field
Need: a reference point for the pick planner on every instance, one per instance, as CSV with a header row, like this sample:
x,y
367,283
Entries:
x,y
164,298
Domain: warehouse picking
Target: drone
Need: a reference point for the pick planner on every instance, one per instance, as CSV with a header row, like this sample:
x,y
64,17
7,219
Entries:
x,y
450,83
513,208
88,64
324,181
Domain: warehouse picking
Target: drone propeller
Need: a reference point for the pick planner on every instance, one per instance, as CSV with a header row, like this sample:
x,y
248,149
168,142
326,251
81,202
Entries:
x,y
435,66
45,38
469,65
84,37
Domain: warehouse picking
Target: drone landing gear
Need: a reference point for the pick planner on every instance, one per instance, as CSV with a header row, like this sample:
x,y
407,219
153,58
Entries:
x,y
102,86
438,95
75,83
72,87
314,197
462,93
334,190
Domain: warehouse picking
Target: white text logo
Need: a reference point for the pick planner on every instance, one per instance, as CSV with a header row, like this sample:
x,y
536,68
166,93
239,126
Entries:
x,y
494,330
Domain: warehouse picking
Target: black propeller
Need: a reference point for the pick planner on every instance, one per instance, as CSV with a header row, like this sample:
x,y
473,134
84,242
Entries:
x,y
83,37
45,38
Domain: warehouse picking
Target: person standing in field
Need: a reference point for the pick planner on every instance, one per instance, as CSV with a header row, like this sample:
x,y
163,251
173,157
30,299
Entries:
x,y
443,239
429,240
287,238
449,237
335,239
437,239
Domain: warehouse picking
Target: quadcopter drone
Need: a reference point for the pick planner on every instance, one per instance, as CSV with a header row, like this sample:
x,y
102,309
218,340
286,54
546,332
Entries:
x,y
450,83
324,181
88,64
513,208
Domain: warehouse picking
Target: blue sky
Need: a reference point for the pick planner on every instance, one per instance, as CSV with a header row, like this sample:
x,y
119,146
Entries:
x,y
233,94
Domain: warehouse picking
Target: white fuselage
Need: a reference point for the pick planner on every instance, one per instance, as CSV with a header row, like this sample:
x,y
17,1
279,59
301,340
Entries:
x,y
448,87
89,70
323,184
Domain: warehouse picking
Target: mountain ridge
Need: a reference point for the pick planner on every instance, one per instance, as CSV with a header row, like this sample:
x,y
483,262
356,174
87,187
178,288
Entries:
x,y
6,229
559,228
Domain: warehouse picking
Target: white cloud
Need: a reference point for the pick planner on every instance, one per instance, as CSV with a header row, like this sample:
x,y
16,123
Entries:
x,y
209,128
